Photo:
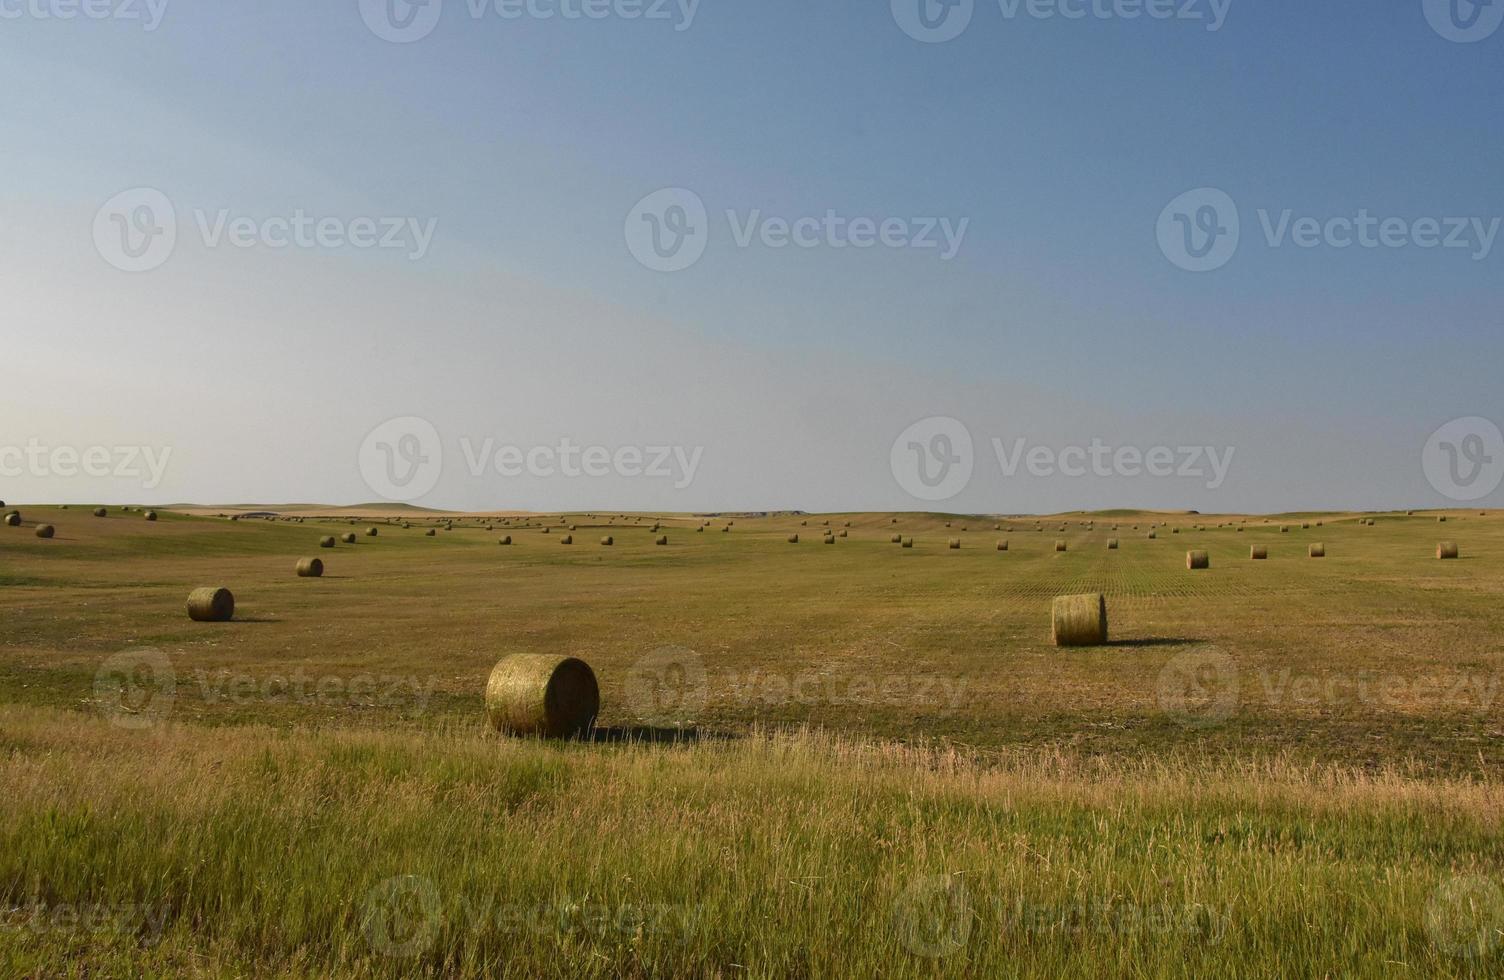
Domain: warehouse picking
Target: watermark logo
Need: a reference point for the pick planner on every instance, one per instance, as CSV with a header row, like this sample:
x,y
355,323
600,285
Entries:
x,y
136,230
1465,917
933,458
1199,230
933,21
401,459
402,916
1464,459
933,917
136,689
401,21
1464,21
1199,688
1208,463
668,230
668,685
571,460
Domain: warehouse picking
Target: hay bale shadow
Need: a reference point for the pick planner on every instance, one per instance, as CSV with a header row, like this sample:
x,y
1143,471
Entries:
x,y
1155,641
656,736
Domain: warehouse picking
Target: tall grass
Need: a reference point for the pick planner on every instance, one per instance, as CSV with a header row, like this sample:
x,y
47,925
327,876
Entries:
x,y
458,853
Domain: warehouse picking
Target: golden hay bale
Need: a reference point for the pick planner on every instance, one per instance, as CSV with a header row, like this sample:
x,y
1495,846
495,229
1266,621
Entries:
x,y
1305,526
544,531
1240,529
430,533
1197,559
573,528
896,539
1317,551
907,543
211,605
372,532
13,519
1258,553
700,529
567,539
46,531
1447,549
1442,519
151,515
662,539
1153,535
1002,544
608,541
843,533
348,537
1079,620
1112,544
100,512
793,539
1059,544
955,544
326,542
505,540
830,539
310,567
542,694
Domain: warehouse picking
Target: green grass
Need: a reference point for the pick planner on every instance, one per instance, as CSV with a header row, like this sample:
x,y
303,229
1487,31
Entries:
x,y
1277,769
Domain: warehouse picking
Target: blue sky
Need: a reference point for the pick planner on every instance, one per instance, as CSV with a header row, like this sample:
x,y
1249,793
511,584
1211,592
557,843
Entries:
x,y
527,142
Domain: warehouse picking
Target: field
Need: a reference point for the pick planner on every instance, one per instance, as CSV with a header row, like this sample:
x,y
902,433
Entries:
x,y
812,759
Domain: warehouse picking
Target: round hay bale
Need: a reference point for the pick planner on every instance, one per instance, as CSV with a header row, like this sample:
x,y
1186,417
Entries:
x,y
100,512
211,605
542,694
1305,526
662,539
1197,559
1112,544
567,539
310,567
955,544
607,541
1317,551
505,540
46,531
1059,544
151,515
1258,553
1002,544
1447,549
430,533
896,539
1240,529
326,542
372,532
700,529
830,539
573,528
1079,620
13,519
907,543
1442,519
348,537
843,532
545,531
1175,531
793,539
1153,535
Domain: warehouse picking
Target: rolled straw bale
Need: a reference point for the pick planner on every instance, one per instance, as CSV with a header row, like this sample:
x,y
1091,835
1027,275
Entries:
x,y
1197,559
211,605
542,694
1079,620
310,567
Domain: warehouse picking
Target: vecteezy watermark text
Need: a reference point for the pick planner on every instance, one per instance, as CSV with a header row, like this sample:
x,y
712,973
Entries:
x,y
137,231
406,21
1201,229
148,13
145,463
938,21
669,230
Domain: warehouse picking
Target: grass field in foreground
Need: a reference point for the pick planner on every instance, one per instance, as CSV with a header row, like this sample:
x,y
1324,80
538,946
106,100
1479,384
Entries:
x,y
1279,768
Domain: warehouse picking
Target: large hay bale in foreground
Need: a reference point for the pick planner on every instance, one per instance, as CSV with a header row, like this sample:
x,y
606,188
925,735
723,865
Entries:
x,y
211,605
310,567
542,694
1317,551
1258,553
1197,560
326,542
46,531
151,515
1079,620
1059,544
13,519
1447,549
